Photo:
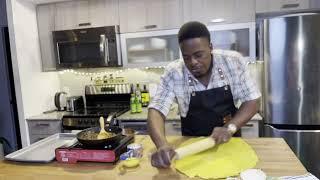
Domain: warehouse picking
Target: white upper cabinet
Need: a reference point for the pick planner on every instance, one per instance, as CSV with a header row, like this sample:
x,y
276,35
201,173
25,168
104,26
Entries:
x,y
45,19
85,14
147,15
265,6
219,12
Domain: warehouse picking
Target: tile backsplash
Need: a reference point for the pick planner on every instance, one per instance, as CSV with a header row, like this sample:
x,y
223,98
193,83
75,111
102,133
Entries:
x,y
73,82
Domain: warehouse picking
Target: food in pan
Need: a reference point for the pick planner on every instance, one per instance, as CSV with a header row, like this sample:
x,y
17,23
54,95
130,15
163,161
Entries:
x,y
91,135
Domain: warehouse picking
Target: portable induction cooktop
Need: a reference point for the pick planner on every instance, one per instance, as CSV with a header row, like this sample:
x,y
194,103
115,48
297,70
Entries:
x,y
77,152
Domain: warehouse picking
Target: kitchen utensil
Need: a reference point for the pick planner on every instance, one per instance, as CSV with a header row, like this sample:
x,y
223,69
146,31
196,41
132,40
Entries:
x,y
60,100
194,148
74,103
103,133
82,136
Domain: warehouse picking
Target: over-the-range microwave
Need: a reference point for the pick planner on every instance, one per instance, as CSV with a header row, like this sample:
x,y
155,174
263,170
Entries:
x,y
85,48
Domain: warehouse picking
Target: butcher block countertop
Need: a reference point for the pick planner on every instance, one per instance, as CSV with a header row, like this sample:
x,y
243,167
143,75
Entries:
x,y
275,159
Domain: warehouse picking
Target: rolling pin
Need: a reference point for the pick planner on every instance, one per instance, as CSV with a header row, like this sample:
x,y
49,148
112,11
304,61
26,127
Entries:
x,y
194,148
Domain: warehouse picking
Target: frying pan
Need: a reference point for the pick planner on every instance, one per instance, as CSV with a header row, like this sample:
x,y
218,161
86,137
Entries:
x,y
81,136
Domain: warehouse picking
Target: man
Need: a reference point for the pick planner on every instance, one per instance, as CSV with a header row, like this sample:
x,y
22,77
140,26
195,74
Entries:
x,y
205,84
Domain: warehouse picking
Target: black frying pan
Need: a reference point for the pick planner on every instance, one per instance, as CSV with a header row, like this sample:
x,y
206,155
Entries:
x,y
83,139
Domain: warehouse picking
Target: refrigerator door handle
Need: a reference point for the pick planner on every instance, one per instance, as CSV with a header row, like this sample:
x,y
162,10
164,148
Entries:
x,y
291,130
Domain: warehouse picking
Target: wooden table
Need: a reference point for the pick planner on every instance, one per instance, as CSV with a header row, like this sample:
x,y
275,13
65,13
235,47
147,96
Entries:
x,y
275,159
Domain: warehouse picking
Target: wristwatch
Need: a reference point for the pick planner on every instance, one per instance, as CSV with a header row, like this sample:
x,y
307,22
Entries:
x,y
232,128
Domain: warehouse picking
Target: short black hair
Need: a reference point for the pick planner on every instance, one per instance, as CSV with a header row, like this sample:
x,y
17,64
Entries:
x,y
193,29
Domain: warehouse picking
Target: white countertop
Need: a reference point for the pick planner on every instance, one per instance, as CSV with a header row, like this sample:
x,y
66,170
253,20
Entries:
x,y
173,115
56,115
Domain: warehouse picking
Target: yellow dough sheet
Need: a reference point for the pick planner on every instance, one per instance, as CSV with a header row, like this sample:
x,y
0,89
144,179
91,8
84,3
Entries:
x,y
221,161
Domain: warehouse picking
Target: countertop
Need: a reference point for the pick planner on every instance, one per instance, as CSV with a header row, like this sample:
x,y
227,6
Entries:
x,y
275,159
173,115
56,115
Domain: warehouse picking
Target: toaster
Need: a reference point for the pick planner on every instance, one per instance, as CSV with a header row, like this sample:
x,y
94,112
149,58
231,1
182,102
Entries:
x,y
74,103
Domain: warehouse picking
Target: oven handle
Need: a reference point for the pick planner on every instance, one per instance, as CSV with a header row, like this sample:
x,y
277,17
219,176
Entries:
x,y
104,48
58,52
101,45
107,51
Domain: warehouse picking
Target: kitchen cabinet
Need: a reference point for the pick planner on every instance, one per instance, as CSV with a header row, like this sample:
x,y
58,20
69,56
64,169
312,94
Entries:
x,y
218,12
251,129
147,15
85,14
173,128
71,15
149,49
3,14
40,129
265,6
314,4
45,20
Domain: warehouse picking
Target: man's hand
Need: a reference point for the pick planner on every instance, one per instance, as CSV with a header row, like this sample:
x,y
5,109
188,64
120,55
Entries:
x,y
162,157
221,135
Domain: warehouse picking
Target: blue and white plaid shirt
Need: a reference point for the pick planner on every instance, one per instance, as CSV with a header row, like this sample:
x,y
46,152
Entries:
x,y
177,83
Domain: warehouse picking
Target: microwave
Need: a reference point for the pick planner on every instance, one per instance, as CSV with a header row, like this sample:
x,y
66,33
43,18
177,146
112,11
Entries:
x,y
85,48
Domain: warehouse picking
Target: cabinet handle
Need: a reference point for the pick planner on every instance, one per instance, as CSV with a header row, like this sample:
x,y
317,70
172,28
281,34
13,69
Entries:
x,y
150,26
85,24
43,124
248,125
286,6
176,125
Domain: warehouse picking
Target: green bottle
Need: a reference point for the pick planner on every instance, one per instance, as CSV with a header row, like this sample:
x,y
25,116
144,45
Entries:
x,y
145,97
133,105
138,99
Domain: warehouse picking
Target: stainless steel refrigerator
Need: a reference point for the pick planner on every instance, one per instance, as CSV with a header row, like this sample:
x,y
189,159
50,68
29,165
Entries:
x,y
291,51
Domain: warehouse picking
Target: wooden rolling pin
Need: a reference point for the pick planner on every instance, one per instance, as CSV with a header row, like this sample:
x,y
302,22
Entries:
x,y
194,148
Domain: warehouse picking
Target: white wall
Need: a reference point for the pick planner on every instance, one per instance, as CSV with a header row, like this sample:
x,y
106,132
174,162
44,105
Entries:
x,y
34,89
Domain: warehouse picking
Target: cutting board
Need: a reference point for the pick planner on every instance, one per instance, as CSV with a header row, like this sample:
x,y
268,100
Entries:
x,y
221,161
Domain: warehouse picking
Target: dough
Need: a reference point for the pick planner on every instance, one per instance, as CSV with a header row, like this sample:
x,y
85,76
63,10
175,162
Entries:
x,y
224,160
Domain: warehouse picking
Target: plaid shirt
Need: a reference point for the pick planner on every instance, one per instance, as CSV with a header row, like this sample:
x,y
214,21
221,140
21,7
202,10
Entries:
x,y
177,83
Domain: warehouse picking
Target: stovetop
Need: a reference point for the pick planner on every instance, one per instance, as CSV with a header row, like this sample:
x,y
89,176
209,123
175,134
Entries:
x,y
93,112
78,152
89,117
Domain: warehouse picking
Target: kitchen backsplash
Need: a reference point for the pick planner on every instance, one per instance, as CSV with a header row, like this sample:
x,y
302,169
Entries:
x,y
73,81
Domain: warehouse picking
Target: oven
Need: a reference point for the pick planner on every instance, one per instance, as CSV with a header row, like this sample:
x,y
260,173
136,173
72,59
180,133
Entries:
x,y
90,47
108,101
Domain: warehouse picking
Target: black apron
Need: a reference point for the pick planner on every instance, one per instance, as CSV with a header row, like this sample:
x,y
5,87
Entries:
x,y
207,110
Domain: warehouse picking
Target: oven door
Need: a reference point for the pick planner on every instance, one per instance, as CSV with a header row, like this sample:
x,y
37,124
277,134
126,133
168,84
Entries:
x,y
73,54
92,47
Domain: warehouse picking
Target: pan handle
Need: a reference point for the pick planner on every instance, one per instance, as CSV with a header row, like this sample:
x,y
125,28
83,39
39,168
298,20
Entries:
x,y
111,119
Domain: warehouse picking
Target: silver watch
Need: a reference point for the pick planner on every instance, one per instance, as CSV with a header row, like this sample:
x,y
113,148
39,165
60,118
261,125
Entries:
x,y
232,128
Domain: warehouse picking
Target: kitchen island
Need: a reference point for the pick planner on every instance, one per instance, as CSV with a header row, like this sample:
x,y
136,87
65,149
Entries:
x,y
275,159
